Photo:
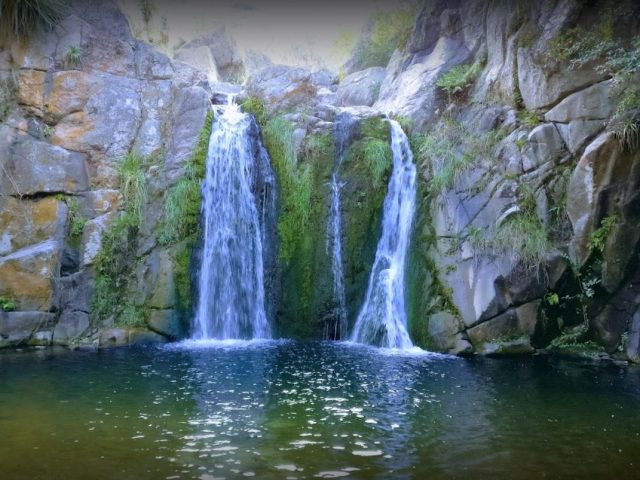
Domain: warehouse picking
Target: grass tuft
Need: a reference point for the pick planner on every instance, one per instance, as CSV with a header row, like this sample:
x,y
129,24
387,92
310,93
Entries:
x,y
133,185
25,17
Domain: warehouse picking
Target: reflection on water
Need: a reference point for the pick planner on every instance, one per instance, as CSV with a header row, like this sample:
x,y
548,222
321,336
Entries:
x,y
317,410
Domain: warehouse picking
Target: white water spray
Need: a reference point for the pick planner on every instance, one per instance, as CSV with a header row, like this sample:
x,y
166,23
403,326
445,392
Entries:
x,y
383,318
231,283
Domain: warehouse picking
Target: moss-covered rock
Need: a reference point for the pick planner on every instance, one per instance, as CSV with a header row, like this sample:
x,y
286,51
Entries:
x,y
308,303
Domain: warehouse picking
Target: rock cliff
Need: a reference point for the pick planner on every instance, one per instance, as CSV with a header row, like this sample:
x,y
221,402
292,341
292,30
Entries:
x,y
523,118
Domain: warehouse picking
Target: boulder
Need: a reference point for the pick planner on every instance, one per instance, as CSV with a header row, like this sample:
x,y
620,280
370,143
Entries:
x,y
199,58
606,183
190,107
30,91
516,322
543,79
155,277
32,166
28,222
102,201
92,236
16,328
583,114
282,87
167,323
544,145
69,92
70,326
30,276
443,331
114,337
412,92
361,88
145,337
632,348
222,50
255,61
324,78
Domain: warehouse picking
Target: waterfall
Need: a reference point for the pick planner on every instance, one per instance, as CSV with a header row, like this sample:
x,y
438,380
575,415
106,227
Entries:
x,y
237,195
383,318
338,328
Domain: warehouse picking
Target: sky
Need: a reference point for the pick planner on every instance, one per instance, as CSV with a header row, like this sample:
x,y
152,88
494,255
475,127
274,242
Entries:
x,y
293,33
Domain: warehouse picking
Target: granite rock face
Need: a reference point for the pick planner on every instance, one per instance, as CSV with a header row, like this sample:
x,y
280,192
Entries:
x,y
68,128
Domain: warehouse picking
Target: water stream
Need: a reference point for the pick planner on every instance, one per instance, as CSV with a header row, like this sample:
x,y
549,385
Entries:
x,y
238,193
383,318
342,134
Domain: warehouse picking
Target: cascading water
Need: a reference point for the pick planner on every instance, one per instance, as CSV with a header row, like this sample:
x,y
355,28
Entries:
x,y
238,195
383,319
338,328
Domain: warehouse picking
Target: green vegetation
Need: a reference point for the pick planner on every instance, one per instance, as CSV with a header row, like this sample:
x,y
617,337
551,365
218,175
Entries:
x,y
390,31
529,119
255,107
615,57
117,255
47,131
574,341
133,183
600,235
7,95
296,183
22,18
73,55
457,81
7,304
114,268
372,150
76,221
449,149
524,236
180,225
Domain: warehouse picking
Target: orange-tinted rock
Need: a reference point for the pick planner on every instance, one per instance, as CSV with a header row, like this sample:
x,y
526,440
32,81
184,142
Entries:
x,y
29,276
24,223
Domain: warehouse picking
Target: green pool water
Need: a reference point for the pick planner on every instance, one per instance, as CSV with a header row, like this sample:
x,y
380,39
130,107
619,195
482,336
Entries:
x,y
312,410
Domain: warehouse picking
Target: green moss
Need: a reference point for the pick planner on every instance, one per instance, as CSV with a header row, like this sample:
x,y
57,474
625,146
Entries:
x,y
76,221
574,341
180,227
304,262
457,81
113,268
307,282
7,304
600,235
296,185
133,184
113,263
133,316
529,118
7,97
255,107
426,293
183,200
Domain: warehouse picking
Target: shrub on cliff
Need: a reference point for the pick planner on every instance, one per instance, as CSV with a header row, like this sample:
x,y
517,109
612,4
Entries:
x,y
23,17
